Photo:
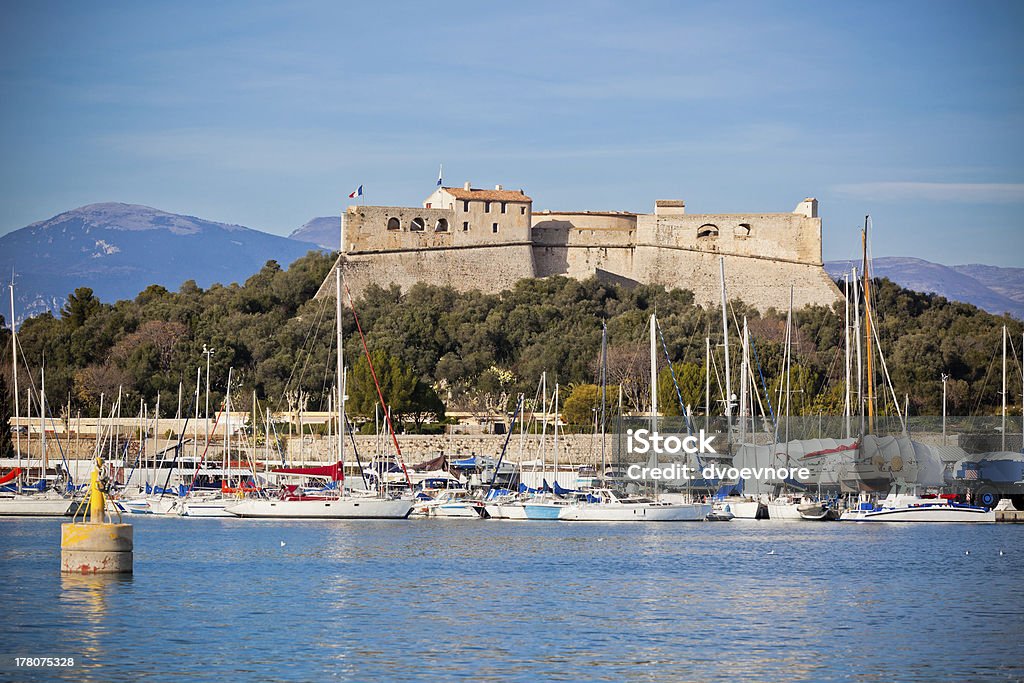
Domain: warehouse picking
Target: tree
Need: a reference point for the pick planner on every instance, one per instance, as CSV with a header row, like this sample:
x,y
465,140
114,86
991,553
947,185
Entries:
x,y
690,379
578,409
397,384
80,306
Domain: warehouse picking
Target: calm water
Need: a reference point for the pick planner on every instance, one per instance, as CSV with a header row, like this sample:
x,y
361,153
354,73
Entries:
x,y
490,600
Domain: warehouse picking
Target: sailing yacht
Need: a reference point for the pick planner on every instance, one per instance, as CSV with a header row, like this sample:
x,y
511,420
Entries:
x,y
604,505
20,503
337,503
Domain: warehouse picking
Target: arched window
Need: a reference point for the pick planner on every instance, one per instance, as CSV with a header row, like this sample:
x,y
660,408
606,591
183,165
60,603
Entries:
x,y
742,230
442,225
394,224
707,230
417,224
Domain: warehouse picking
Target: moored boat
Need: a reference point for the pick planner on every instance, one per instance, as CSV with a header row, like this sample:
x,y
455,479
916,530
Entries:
x,y
913,508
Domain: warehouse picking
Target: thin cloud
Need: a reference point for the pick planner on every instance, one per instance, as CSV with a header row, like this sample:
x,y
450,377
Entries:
x,y
964,193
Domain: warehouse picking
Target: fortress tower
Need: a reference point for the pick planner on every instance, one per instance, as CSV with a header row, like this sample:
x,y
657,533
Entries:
x,y
471,238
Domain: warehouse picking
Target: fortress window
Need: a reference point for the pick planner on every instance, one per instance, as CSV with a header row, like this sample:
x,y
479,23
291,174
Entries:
x,y
417,224
503,206
743,230
707,230
465,226
441,226
394,224
487,207
522,210
465,205
494,227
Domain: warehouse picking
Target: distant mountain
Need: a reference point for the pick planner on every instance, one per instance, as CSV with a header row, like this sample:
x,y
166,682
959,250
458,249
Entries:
x,y
991,288
120,249
324,232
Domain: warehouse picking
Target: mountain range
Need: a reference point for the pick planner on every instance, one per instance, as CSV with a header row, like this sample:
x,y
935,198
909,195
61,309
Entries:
x,y
120,249
324,232
991,288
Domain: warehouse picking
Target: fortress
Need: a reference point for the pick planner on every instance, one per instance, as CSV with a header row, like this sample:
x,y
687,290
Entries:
x,y
470,238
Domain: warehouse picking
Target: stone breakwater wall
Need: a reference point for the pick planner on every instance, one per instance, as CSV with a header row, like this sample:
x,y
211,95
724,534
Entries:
x,y
583,449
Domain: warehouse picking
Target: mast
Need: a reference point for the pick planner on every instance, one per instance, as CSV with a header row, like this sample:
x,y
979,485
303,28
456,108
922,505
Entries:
x,y
867,328
14,374
207,352
604,388
195,424
619,430
42,419
156,436
227,430
725,342
144,465
654,392
789,365
856,334
846,333
339,370
707,382
556,439
743,384
544,426
1004,389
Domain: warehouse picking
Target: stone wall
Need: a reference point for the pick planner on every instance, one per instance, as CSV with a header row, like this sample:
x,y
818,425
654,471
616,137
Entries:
x,y
573,448
764,253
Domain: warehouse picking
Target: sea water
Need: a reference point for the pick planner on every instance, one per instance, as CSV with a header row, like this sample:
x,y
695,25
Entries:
x,y
252,600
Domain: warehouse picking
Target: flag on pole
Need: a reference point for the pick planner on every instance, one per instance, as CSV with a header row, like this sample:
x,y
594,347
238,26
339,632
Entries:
x,y
357,193
439,169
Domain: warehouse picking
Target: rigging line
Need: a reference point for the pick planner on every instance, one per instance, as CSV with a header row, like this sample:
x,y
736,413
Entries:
x,y
888,380
355,449
984,385
718,378
206,448
675,383
508,436
764,385
314,331
309,352
380,395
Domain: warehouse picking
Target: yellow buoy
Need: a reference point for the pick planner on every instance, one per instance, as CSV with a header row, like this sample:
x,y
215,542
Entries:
x,y
96,546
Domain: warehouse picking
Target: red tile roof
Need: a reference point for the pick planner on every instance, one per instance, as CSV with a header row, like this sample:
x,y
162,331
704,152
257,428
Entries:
x,y
488,195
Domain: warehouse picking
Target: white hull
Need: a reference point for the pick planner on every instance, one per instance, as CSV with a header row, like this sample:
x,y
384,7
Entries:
x,y
207,508
744,509
447,510
35,505
937,513
786,512
156,505
343,508
506,511
627,512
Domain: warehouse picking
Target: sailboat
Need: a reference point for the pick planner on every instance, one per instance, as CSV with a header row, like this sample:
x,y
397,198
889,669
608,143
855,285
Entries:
x,y
48,503
548,505
605,505
336,504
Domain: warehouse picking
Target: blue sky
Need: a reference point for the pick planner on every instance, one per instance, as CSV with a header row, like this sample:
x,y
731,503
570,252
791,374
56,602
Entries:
x,y
269,114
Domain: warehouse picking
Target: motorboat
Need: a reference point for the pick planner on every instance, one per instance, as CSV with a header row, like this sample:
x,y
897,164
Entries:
x,y
903,507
